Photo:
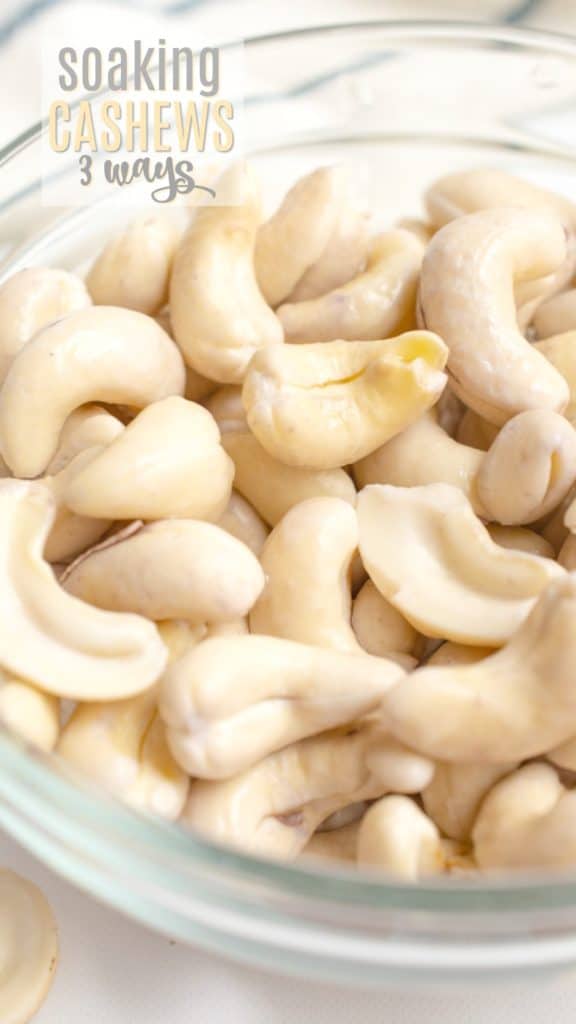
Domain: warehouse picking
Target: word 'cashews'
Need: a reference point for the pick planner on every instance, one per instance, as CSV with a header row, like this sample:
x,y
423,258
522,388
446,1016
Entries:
x,y
30,948
133,270
168,462
123,747
560,351
467,297
29,712
219,316
379,628
170,569
60,644
396,836
273,808
31,300
433,559
455,793
306,562
379,302
528,820
517,703
556,316
296,235
233,700
243,522
102,353
273,488
343,257
363,393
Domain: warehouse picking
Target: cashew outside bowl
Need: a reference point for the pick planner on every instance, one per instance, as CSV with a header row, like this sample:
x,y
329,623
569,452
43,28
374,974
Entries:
x,y
29,949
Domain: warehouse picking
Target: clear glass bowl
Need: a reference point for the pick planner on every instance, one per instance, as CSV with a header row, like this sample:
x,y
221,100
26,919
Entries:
x,y
407,102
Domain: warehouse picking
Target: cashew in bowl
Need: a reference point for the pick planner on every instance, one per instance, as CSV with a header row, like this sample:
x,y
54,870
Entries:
x,y
454,795
396,836
433,559
171,569
379,627
29,713
219,316
379,302
342,258
102,353
306,562
361,392
168,462
467,297
31,300
29,949
233,700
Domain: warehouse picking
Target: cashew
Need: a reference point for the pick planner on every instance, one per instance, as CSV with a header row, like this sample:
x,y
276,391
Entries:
x,y
273,808
168,462
339,845
467,296
379,628
71,534
244,523
560,351
306,561
31,300
454,795
225,405
233,700
557,315
567,554
379,302
432,558
517,703
48,637
171,569
113,355
297,235
343,256
28,712
475,432
458,654
273,488
219,317
528,820
133,270
90,426
518,538
396,836
362,392
122,746
29,951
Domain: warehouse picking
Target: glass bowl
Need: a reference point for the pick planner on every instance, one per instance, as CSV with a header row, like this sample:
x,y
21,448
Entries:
x,y
403,103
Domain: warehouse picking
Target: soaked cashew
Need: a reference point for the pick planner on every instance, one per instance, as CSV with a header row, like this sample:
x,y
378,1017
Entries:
x,y
467,297
517,703
218,314
528,820
28,712
29,951
171,569
102,353
123,747
453,797
396,836
31,300
362,392
244,523
273,488
560,351
233,700
168,462
433,559
379,628
379,302
133,270
306,561
48,637
343,257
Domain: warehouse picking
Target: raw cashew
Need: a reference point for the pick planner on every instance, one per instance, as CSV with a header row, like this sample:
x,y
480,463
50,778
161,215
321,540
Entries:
x,y
379,302
361,392
339,845
560,351
306,562
233,700
273,488
528,820
518,538
102,353
483,188
219,316
296,236
168,462
48,637
273,808
28,712
133,270
475,432
396,836
30,948
244,523
467,296
343,256
122,746
31,300
453,797
557,315
90,426
171,569
433,559
518,703
379,628
225,405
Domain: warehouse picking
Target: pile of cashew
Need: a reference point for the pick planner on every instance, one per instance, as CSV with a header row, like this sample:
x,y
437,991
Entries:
x,y
288,513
